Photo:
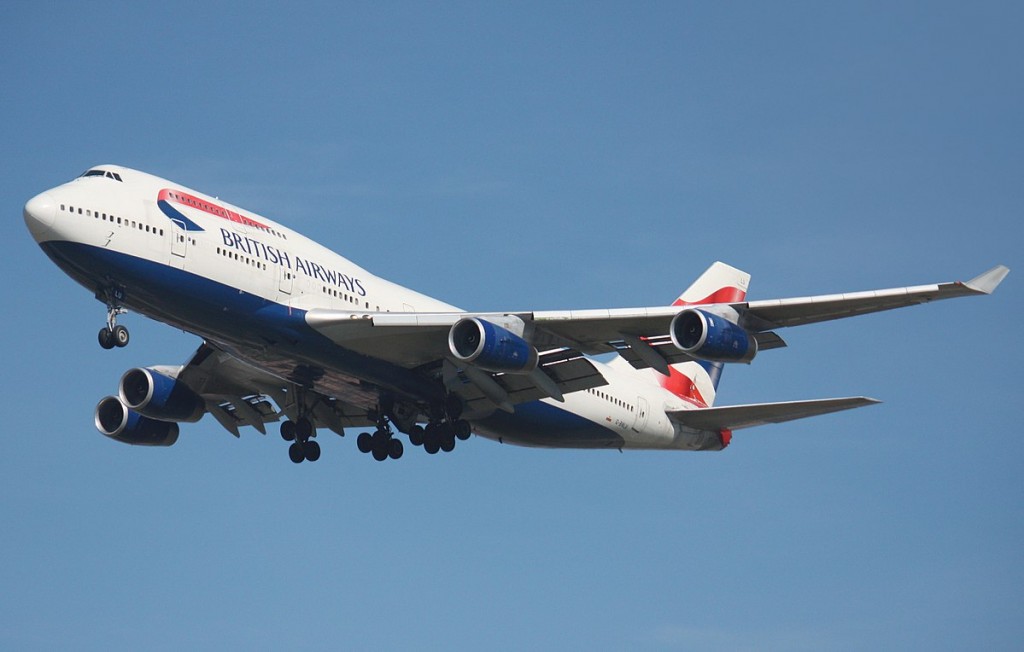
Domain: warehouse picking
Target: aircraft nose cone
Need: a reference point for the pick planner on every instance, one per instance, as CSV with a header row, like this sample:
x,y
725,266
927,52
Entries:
x,y
40,214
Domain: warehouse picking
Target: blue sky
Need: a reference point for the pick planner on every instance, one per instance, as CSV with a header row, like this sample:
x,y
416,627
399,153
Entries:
x,y
539,155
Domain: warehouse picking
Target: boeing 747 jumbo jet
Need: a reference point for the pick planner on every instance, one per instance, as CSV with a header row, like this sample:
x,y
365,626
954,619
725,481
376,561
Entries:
x,y
293,332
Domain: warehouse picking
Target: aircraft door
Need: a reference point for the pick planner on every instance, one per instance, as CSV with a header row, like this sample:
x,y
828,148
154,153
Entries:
x,y
286,279
179,239
642,409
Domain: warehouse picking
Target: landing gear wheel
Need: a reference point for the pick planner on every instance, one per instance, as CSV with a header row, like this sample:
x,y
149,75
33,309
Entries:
x,y
380,454
462,429
288,431
312,451
416,436
295,453
106,338
121,336
432,438
395,449
303,429
364,442
448,442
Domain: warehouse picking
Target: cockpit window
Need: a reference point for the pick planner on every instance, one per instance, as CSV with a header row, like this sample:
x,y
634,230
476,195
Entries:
x,y
102,173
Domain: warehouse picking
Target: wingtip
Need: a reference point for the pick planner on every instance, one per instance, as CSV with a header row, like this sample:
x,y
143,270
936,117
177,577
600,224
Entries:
x,y
990,280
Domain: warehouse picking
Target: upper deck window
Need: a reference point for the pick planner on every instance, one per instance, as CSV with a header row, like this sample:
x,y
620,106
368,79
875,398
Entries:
x,y
102,173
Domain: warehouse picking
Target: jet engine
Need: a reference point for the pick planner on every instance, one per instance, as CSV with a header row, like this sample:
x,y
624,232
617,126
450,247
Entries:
x,y
710,337
158,396
117,421
490,347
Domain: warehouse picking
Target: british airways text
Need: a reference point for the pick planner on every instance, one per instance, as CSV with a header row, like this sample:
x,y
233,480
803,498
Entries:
x,y
273,255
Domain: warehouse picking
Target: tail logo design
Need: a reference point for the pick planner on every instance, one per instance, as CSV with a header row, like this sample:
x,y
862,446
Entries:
x,y
697,382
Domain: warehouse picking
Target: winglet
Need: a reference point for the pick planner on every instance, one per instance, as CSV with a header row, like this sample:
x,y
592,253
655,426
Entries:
x,y
990,280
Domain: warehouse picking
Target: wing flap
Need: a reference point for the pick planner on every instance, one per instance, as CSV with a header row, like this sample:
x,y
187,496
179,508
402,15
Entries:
x,y
569,372
735,417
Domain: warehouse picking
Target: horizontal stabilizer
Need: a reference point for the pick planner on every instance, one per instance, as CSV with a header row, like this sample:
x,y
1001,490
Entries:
x,y
734,417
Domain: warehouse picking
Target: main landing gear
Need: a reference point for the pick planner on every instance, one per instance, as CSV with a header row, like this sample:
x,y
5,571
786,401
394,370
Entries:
x,y
444,429
112,334
382,444
439,436
301,434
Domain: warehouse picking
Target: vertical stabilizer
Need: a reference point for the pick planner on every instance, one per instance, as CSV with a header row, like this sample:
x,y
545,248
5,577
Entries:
x,y
698,381
720,283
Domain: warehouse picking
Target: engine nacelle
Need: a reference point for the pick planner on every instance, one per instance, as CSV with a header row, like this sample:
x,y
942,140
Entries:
x,y
115,420
154,395
490,347
709,337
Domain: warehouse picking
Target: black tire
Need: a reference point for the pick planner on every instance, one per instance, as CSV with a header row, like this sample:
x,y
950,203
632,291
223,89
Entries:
x,y
288,430
303,429
462,429
106,338
312,451
448,442
432,446
295,453
364,442
121,336
416,436
395,449
380,454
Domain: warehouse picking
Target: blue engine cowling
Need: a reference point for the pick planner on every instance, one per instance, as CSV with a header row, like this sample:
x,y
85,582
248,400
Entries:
x,y
115,420
710,337
154,395
491,347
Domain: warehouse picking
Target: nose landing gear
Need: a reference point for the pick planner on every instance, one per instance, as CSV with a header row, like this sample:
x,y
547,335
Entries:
x,y
112,334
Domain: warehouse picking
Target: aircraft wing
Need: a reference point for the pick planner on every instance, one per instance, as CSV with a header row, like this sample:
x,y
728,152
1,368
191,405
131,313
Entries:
x,y
589,329
735,417
765,315
641,335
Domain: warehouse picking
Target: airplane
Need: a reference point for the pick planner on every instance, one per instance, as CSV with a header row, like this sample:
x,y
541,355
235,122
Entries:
x,y
295,333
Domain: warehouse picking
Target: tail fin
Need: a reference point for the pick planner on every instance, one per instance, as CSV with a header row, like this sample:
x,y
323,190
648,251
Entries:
x,y
698,381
